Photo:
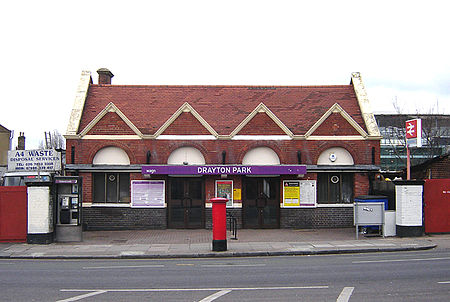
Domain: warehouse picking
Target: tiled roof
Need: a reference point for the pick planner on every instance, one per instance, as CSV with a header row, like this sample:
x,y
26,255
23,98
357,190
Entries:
x,y
222,107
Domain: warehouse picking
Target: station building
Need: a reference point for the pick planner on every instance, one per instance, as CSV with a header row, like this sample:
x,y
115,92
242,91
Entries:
x,y
152,157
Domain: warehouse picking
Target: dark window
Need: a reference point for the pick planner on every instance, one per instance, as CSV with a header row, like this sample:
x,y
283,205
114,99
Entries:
x,y
335,188
111,187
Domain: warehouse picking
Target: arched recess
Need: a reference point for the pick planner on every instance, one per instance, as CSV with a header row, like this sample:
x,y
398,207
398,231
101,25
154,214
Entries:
x,y
111,156
335,156
186,156
261,156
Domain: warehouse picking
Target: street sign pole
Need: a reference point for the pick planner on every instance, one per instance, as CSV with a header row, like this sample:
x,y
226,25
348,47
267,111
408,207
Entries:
x,y
408,163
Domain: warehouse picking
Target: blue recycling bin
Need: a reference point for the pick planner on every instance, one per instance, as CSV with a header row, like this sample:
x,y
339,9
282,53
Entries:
x,y
373,198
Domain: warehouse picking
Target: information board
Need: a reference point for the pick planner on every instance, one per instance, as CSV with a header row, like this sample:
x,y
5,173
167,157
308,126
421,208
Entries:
x,y
299,193
148,193
409,205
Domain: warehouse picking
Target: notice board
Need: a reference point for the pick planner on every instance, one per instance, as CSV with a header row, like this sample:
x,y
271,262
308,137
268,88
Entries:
x,y
148,193
299,194
409,202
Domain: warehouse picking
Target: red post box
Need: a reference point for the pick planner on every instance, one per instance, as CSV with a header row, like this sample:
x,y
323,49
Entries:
x,y
219,219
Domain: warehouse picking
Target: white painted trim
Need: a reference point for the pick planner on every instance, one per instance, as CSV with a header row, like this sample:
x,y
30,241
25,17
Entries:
x,y
111,205
111,137
261,137
261,108
186,107
334,205
336,138
187,137
110,108
364,105
78,105
336,108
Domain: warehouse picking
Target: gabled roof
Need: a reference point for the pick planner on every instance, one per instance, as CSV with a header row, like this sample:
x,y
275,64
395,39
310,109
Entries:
x,y
222,110
4,129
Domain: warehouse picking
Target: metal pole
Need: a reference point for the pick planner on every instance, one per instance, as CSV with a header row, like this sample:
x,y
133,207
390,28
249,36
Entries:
x,y
408,163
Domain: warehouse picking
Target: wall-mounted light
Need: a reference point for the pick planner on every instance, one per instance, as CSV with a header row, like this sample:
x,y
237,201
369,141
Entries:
x,y
224,156
299,157
72,155
149,155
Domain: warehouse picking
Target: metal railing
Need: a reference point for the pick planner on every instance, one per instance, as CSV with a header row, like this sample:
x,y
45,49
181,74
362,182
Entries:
x,y
232,226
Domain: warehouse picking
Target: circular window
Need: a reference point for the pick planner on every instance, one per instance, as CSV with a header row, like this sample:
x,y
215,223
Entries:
x,y
334,179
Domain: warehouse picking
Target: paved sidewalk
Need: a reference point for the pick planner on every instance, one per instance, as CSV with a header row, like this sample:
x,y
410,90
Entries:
x,y
198,243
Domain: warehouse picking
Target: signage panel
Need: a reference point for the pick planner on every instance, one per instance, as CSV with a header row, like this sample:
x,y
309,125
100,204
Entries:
x,y
148,193
409,204
414,133
34,160
299,193
224,169
224,188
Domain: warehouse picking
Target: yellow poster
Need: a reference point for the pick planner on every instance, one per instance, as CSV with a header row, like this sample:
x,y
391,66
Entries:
x,y
237,194
291,193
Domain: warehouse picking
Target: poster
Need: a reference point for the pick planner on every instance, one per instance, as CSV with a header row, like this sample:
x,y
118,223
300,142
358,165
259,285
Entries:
x,y
237,194
148,194
299,194
224,188
308,194
291,193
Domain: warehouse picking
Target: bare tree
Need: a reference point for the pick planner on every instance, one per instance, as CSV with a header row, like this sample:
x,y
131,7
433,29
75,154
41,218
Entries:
x,y
53,140
435,134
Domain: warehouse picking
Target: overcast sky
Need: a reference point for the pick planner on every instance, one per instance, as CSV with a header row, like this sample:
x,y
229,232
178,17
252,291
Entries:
x,y
401,49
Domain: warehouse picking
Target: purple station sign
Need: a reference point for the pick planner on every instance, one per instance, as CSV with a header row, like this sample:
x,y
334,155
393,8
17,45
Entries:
x,y
224,169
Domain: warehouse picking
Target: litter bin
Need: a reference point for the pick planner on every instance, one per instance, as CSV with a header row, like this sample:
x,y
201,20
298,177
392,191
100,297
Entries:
x,y
373,198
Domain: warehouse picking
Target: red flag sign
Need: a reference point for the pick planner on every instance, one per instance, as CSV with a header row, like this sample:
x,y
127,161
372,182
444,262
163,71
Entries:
x,y
414,133
411,129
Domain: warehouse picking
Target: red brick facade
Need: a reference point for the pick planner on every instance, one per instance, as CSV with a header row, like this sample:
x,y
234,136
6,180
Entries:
x,y
220,111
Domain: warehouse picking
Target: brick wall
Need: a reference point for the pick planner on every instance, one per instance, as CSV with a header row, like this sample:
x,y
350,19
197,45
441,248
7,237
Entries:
x,y
335,124
337,217
186,124
105,218
136,150
111,123
261,124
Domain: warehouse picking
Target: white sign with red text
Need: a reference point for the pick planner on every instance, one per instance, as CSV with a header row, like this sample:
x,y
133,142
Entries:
x,y
414,133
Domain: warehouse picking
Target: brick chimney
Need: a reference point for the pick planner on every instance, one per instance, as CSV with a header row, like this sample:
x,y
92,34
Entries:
x,y
104,76
21,141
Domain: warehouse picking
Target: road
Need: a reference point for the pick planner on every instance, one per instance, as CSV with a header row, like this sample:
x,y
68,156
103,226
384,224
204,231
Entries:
x,y
406,276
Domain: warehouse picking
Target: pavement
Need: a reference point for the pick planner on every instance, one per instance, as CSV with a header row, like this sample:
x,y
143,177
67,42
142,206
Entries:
x,y
156,244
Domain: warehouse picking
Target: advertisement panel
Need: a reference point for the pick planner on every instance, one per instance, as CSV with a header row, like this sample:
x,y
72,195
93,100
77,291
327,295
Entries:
x,y
34,160
224,188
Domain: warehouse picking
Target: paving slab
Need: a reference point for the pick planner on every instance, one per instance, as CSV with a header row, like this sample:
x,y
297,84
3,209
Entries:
x,y
198,243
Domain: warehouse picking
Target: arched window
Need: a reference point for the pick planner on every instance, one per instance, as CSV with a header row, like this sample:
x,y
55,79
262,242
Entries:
x,y
186,156
335,156
111,156
335,187
261,156
111,187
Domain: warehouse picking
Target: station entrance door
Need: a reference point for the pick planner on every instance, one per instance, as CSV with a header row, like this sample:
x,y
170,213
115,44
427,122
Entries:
x,y
261,204
186,206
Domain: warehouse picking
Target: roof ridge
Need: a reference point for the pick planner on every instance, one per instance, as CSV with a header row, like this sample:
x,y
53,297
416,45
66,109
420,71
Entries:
x,y
224,86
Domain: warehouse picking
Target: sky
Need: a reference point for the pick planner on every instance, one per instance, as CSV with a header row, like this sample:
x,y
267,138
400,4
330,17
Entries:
x,y
401,49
